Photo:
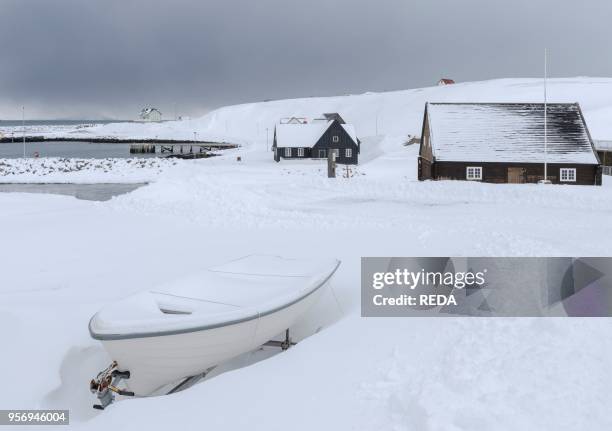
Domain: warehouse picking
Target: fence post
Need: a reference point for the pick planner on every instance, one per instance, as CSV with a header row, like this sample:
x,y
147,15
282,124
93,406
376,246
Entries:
x,y
331,164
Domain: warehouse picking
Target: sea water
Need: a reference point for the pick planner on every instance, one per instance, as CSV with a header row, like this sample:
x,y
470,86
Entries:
x,y
91,192
80,150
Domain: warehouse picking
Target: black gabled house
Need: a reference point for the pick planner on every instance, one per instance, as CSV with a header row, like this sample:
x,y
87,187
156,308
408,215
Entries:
x,y
314,140
504,143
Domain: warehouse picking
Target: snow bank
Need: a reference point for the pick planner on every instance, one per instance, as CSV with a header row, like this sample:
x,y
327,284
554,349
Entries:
x,y
70,170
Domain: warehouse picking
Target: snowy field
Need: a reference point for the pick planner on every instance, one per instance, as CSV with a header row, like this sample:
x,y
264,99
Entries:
x,y
62,259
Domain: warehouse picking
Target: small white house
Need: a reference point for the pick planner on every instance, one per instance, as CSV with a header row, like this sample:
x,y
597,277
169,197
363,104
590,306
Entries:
x,y
150,114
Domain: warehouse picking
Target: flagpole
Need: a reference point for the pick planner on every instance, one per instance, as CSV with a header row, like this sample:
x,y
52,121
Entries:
x,y
23,129
545,115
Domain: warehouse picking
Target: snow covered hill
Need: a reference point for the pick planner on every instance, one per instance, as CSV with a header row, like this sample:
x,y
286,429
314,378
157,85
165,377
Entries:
x,y
401,112
390,113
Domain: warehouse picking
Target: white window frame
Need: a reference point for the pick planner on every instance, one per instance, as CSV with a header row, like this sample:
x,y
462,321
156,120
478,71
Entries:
x,y
300,152
567,175
288,152
335,139
336,152
473,173
348,152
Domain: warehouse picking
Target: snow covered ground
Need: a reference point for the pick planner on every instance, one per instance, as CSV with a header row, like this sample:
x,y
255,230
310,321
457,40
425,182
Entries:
x,y
80,171
62,259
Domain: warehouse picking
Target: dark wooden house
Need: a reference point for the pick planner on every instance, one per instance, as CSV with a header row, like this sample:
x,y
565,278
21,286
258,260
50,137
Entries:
x,y
504,143
604,151
313,140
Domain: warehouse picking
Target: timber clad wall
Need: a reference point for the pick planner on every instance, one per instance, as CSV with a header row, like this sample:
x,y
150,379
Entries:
x,y
605,157
345,141
425,169
531,172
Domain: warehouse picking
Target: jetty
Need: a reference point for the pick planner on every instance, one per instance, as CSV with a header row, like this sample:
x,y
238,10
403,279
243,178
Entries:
x,y
189,150
178,147
115,140
184,149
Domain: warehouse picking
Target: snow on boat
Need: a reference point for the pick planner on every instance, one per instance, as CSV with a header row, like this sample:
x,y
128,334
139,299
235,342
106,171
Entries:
x,y
184,328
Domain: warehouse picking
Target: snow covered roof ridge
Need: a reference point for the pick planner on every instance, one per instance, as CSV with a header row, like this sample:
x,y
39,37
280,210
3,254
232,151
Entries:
x,y
306,135
509,132
300,135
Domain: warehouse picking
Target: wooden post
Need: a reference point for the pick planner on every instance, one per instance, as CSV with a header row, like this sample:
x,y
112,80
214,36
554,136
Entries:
x,y
331,164
348,173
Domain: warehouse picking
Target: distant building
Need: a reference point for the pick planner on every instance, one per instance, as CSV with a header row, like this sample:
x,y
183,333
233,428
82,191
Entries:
x,y
150,114
334,116
504,143
314,140
445,81
413,140
294,120
604,151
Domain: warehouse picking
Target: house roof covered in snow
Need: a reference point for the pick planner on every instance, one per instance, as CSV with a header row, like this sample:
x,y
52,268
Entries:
x,y
603,145
146,112
509,132
293,120
334,116
306,135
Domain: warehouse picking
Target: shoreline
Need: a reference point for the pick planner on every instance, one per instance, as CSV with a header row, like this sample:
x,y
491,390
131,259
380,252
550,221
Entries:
x,y
110,140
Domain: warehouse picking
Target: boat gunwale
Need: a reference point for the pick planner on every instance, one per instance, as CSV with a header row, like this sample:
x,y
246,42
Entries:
x,y
162,333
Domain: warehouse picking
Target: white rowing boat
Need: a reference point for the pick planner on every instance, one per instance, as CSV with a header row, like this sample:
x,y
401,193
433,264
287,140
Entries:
x,y
185,328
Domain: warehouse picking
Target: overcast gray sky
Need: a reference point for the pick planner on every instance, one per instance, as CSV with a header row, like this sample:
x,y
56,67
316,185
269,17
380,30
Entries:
x,y
109,58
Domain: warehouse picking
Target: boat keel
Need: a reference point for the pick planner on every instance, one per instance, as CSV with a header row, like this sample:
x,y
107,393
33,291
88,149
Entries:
x,y
189,381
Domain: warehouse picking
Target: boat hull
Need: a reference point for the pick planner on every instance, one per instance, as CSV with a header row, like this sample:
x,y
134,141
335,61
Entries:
x,y
155,361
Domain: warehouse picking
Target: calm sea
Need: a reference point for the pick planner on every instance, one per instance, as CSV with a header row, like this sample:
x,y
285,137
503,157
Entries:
x,y
90,192
17,123
84,150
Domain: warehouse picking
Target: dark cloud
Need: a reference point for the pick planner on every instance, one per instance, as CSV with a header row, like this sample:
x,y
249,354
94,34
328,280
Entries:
x,y
110,57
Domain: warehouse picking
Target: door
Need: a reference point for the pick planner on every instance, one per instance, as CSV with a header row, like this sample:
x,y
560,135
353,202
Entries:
x,y
516,175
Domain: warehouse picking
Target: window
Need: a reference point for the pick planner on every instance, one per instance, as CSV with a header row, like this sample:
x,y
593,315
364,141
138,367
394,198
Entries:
x,y
335,139
473,173
568,174
348,152
322,154
287,152
336,153
300,152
